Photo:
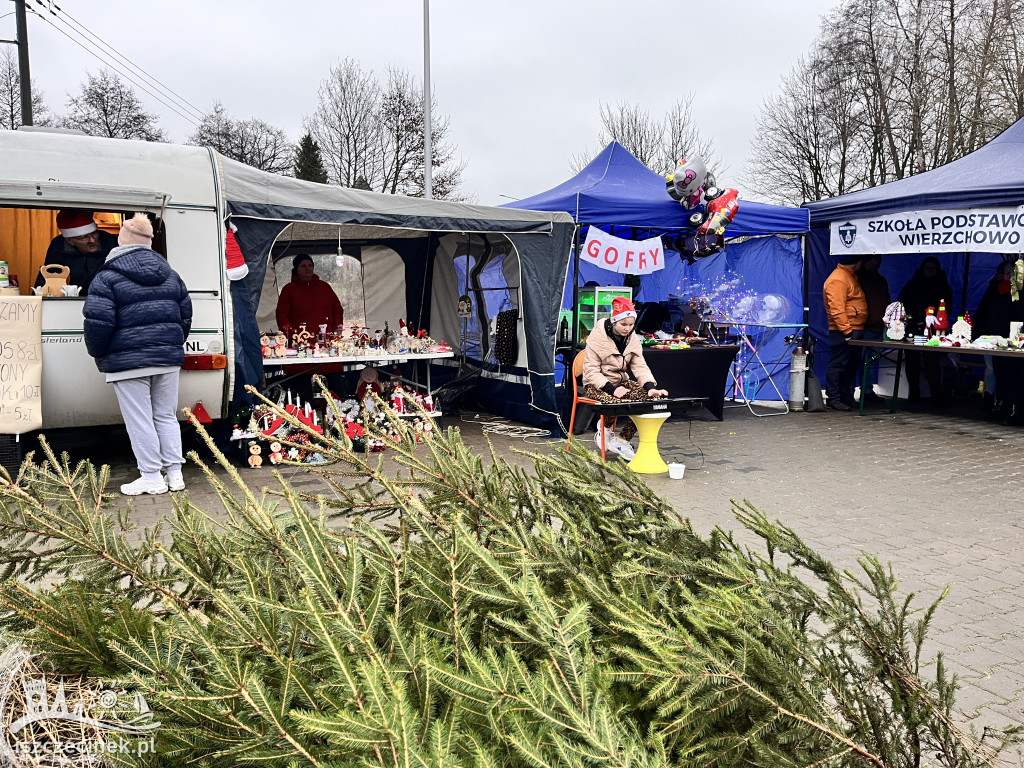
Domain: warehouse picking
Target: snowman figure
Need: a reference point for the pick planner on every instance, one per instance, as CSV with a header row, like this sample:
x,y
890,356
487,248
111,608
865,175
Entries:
x,y
895,319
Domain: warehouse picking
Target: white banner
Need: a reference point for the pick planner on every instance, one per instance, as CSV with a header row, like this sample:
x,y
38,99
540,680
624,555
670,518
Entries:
x,y
627,256
990,230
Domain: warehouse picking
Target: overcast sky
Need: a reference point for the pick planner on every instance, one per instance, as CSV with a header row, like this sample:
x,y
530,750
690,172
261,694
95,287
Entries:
x,y
521,80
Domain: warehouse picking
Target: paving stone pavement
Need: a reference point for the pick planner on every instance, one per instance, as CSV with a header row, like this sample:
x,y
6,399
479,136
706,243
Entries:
x,y
938,495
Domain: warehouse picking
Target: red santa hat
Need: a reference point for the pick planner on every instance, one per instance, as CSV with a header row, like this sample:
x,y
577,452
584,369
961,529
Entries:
x,y
622,308
74,223
235,261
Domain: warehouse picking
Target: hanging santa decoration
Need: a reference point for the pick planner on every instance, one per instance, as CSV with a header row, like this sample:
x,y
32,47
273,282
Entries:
x,y
235,261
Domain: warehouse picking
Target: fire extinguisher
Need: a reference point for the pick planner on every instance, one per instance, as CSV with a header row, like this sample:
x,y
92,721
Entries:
x,y
797,376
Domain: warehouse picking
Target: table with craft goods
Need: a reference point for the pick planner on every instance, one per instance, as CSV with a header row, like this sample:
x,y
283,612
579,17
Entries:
x,y
297,366
879,348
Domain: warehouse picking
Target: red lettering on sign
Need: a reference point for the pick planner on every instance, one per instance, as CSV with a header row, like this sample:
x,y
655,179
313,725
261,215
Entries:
x,y
629,257
643,261
593,249
614,258
654,256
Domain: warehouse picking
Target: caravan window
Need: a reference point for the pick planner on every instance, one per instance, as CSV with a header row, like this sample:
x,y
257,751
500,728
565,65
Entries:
x,y
26,235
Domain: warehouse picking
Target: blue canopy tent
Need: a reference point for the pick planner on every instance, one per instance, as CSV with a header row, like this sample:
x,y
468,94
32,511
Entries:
x,y
625,198
989,177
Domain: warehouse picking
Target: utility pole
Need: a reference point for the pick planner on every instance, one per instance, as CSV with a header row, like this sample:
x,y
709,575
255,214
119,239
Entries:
x,y
23,73
427,159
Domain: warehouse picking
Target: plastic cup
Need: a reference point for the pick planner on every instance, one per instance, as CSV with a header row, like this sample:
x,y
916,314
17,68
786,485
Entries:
x,y
675,471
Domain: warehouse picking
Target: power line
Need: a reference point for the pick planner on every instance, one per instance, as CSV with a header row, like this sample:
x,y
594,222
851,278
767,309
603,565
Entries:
x,y
118,69
168,92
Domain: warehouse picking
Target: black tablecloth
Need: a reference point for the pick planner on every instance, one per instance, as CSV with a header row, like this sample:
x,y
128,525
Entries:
x,y
700,371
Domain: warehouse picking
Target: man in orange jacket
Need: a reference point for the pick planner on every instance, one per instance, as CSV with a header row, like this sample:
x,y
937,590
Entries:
x,y
847,311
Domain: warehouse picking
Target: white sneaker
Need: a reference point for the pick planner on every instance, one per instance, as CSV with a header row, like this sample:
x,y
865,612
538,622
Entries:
x,y
621,447
142,485
175,482
608,437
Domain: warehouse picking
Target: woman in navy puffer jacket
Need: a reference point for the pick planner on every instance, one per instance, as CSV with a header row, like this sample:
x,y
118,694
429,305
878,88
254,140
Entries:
x,y
137,317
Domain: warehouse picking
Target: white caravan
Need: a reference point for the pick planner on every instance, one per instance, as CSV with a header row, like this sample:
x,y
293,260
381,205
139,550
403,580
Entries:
x,y
44,170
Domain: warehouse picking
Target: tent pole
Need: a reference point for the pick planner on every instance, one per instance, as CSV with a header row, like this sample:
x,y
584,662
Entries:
x,y
807,288
967,277
575,293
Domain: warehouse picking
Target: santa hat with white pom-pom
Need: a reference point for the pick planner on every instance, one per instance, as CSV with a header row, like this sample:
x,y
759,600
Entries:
x,y
235,261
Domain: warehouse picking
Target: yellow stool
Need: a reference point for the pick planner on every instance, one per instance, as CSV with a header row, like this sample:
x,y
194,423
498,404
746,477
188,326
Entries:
x,y
648,459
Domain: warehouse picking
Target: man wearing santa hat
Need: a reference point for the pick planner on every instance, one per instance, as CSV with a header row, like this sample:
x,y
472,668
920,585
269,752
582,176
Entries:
x,y
80,246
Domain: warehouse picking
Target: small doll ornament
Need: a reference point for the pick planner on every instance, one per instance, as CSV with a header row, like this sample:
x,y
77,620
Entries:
x,y
255,460
368,382
930,323
398,399
942,318
895,322
276,454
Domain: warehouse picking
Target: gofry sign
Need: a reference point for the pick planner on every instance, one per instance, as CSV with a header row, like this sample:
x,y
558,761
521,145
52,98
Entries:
x,y
634,257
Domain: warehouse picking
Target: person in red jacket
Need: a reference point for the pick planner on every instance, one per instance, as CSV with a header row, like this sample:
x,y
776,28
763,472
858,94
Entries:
x,y
308,300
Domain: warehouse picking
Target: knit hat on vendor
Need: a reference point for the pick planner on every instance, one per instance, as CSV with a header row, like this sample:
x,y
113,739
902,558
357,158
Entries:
x,y
622,308
298,260
74,223
138,230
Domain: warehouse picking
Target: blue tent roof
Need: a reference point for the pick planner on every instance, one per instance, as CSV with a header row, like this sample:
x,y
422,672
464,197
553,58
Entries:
x,y
990,176
617,189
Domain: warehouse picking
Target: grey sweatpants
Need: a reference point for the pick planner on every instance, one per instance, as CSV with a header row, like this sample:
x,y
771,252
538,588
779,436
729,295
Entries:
x,y
148,405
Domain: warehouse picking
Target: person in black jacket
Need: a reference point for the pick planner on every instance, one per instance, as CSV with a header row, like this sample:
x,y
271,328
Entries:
x,y
137,317
995,312
81,247
927,288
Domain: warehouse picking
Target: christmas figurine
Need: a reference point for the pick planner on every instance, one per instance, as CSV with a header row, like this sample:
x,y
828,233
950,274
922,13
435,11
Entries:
x,y
942,318
276,454
929,322
398,399
255,460
368,382
895,322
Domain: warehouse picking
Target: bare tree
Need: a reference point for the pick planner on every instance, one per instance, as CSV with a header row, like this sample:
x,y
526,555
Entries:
x,y
373,134
891,88
656,142
10,95
635,129
345,123
252,141
107,106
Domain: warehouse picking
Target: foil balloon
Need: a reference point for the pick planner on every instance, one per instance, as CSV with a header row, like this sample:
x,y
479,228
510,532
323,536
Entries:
x,y
721,210
685,184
